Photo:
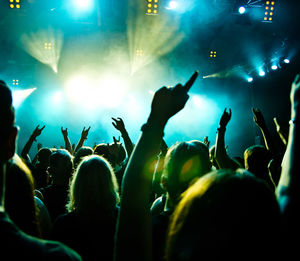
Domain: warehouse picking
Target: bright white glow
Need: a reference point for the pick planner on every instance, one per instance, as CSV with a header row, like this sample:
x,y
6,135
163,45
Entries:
x,y
261,73
57,97
250,79
85,4
19,96
242,10
286,61
172,5
106,91
274,67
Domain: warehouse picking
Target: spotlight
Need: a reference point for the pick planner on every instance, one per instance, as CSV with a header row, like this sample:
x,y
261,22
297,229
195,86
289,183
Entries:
x,y
48,46
262,73
242,9
85,4
250,79
286,60
274,67
172,5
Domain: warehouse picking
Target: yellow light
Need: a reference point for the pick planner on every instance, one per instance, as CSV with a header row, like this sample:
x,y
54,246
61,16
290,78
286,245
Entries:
x,y
273,3
155,1
271,13
149,11
17,1
155,11
12,6
18,6
11,1
149,5
155,6
268,2
266,13
270,19
267,7
272,8
149,1
265,18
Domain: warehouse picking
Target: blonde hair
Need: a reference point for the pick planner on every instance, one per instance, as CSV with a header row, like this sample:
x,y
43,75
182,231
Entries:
x,y
94,188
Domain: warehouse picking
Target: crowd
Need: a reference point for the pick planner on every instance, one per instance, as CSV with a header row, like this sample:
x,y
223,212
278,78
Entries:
x,y
147,200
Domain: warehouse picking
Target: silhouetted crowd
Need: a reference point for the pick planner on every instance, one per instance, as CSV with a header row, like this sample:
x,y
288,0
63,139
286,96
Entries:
x,y
148,200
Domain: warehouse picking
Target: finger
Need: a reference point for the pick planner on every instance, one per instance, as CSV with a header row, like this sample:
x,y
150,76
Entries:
x,y
275,120
297,78
114,124
191,81
229,112
115,141
114,119
88,128
43,127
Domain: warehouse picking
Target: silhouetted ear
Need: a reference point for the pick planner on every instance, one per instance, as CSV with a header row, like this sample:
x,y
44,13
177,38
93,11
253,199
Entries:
x,y
11,143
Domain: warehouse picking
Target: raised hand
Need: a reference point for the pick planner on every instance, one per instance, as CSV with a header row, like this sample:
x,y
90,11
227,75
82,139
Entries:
x,y
64,132
116,140
225,118
258,118
206,141
118,124
85,133
168,101
37,131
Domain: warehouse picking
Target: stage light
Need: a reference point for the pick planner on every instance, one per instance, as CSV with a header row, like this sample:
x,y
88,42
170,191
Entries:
x,y
250,79
262,73
172,5
84,4
20,95
139,52
286,60
152,7
242,9
213,54
14,4
269,11
48,46
274,67
15,82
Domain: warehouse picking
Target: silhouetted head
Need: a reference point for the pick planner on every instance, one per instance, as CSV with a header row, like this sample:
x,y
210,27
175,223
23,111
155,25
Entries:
x,y
8,131
61,167
257,158
94,188
80,154
184,163
226,214
43,156
113,152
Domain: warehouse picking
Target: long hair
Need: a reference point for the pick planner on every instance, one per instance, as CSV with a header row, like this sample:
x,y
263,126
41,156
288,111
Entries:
x,y
19,197
94,188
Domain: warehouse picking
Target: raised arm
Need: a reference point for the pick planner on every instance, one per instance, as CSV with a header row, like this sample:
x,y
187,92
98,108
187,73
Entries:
x,y
283,136
259,120
25,152
82,139
120,126
289,183
221,156
133,235
68,145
